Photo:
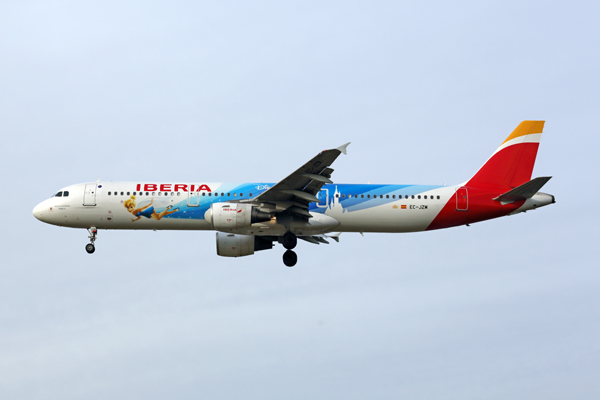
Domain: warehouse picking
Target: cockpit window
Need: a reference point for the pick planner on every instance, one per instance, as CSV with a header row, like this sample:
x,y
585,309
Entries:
x,y
59,194
65,194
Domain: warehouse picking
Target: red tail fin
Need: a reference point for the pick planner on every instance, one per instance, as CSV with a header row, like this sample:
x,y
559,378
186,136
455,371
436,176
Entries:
x,y
512,163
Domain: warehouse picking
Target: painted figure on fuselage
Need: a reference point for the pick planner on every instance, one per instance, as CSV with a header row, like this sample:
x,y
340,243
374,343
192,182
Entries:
x,y
146,211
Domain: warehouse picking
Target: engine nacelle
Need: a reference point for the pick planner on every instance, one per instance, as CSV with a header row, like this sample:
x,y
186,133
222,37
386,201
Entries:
x,y
231,216
230,245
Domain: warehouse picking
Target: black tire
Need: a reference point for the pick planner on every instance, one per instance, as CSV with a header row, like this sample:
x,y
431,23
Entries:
x,y
290,258
90,248
289,240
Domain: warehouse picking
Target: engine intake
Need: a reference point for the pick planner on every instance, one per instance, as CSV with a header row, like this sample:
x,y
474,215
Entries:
x,y
231,216
230,245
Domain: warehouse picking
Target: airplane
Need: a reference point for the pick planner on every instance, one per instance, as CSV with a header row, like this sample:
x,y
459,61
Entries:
x,y
307,204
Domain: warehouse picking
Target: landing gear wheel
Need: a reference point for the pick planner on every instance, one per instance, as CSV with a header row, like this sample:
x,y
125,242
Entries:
x,y
289,240
90,248
290,258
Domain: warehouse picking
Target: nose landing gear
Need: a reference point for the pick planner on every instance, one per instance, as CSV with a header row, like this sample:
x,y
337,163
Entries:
x,y
289,241
90,248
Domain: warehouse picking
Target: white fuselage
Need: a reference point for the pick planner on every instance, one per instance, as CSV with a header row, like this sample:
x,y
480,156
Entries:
x,y
341,207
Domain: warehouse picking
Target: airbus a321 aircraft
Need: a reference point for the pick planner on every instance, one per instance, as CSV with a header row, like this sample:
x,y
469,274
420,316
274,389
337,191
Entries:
x,y
306,205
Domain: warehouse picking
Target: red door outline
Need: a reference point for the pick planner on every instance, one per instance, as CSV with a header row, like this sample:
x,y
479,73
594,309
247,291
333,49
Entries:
x,y
462,199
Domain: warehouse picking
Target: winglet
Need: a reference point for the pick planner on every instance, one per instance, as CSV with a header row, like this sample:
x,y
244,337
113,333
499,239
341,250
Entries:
x,y
342,148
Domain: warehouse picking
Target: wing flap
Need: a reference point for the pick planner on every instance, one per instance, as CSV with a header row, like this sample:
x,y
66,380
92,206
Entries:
x,y
318,239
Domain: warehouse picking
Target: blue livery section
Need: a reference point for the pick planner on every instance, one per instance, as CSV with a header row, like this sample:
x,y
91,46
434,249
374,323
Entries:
x,y
351,197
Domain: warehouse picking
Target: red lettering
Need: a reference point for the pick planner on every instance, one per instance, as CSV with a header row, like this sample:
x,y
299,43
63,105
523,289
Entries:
x,y
138,187
191,188
182,187
148,187
165,187
204,187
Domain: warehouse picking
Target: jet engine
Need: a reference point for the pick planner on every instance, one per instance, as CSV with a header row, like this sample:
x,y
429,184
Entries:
x,y
230,216
230,245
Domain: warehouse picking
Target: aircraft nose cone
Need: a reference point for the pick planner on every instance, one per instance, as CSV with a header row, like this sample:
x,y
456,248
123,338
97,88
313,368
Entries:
x,y
38,213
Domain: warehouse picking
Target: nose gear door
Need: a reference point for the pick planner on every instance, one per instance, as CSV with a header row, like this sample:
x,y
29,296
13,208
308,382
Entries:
x,y
89,195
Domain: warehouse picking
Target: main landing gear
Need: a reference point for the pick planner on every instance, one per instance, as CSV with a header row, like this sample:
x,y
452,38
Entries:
x,y
90,248
289,241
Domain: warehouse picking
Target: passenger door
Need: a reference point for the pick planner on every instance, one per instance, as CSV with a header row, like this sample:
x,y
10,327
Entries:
x,y
89,195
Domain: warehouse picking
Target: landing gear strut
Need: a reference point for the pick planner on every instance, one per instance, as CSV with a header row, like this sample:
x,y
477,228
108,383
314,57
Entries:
x,y
90,248
290,258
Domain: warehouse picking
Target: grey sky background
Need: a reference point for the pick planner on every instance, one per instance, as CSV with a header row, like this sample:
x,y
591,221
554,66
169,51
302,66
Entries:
x,y
241,92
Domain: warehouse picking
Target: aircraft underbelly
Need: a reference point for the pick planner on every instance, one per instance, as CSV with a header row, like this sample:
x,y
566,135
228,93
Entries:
x,y
385,218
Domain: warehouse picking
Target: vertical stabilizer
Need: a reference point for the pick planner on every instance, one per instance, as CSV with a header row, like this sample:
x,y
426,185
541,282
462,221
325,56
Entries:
x,y
512,163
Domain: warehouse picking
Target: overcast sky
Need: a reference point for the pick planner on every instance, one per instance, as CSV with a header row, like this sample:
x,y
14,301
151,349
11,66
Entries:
x,y
242,91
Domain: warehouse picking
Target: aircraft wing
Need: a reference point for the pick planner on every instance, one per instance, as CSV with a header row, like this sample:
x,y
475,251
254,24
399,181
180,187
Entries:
x,y
298,190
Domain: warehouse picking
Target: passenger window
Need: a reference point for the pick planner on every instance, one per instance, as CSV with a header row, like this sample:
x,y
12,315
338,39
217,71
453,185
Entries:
x,y
381,196
241,194
412,197
109,193
337,195
438,197
228,194
387,196
393,196
362,196
343,196
127,193
178,193
419,197
250,194
203,193
235,195
368,196
153,193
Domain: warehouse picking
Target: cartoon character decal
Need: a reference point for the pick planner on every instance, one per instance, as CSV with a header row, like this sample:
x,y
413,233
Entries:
x,y
146,211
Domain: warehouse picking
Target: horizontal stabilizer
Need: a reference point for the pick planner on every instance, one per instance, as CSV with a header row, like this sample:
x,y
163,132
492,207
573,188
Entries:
x,y
523,192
